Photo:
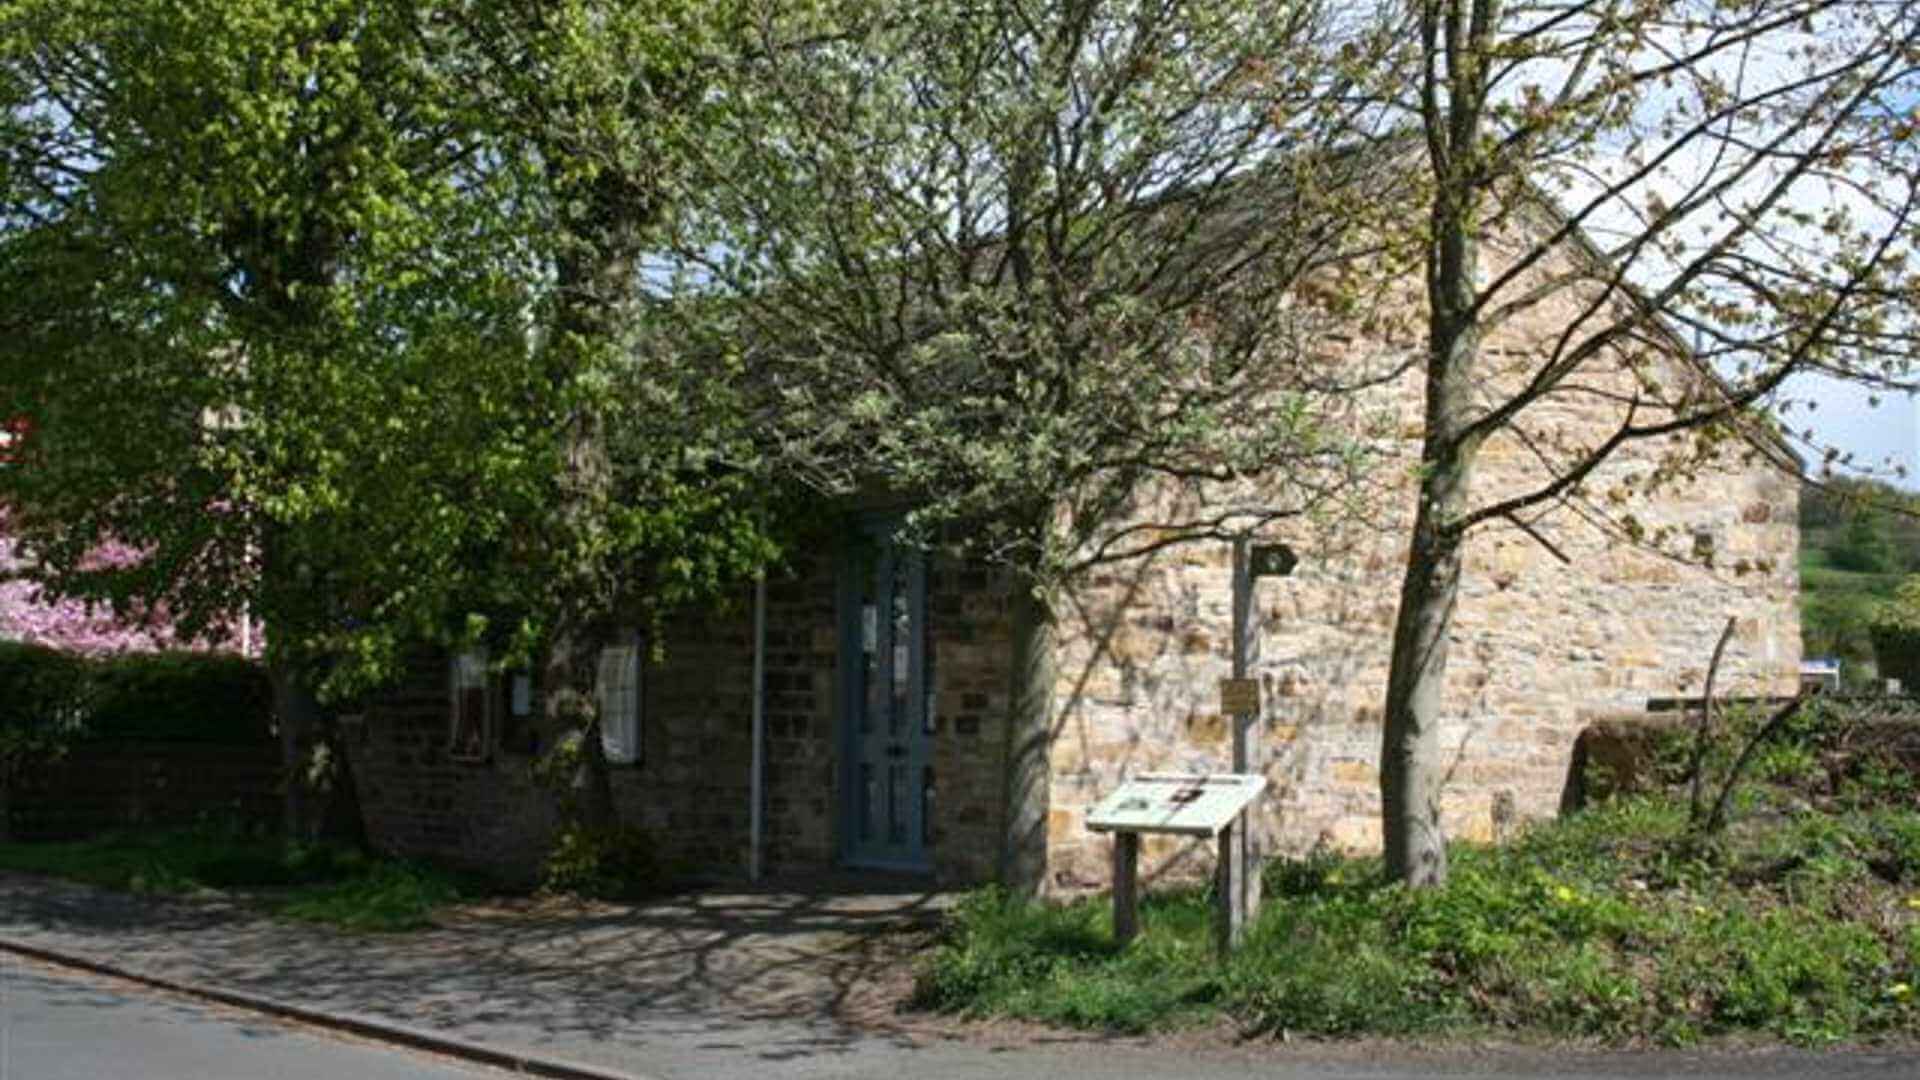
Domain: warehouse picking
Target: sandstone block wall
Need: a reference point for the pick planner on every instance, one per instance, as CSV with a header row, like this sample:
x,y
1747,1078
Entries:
x,y
1538,644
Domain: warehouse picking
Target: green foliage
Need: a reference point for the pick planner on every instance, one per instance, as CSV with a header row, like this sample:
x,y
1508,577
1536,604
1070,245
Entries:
x,y
388,897
1857,538
41,688
180,697
43,703
619,862
952,306
1896,633
1004,955
170,697
1864,546
1607,925
315,303
314,883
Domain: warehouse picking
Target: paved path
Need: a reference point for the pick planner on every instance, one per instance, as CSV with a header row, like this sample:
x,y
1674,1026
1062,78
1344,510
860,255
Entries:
x,y
783,985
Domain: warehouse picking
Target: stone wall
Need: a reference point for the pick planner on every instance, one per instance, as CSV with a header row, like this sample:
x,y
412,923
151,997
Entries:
x,y
420,802
1538,645
100,786
692,785
970,641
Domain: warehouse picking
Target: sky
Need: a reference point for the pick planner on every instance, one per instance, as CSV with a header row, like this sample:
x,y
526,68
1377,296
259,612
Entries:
x,y
1878,437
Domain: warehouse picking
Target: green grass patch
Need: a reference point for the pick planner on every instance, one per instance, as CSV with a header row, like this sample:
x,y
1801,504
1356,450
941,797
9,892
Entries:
x,y
312,883
1608,925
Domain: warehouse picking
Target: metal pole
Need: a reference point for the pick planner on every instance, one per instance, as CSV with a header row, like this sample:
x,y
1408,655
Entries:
x,y
756,814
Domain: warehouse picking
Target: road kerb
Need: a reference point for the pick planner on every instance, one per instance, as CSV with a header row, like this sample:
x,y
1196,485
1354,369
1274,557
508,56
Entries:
x,y
381,1030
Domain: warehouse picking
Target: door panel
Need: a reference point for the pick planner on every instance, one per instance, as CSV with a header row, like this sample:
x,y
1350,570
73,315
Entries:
x,y
887,717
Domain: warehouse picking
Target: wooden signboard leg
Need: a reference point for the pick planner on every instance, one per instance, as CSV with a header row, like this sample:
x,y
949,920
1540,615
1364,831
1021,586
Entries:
x,y
1229,912
1126,886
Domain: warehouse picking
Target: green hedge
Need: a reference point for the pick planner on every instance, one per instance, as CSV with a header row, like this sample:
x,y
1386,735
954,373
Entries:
x,y
1895,630
42,690
1896,655
159,697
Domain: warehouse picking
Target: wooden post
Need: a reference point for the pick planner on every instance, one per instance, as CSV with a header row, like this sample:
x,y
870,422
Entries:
x,y
1245,852
1126,887
1229,914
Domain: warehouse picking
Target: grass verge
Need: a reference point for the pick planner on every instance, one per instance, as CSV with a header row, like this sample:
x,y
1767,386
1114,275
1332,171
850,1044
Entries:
x,y
311,883
1801,924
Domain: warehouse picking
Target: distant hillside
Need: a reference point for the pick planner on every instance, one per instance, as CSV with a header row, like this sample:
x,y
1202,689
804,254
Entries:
x,y
1858,538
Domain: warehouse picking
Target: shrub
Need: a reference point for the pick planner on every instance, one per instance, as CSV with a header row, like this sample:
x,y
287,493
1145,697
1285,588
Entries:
x,y
42,702
181,697
1865,545
388,897
621,863
1057,963
42,689
1896,634
163,697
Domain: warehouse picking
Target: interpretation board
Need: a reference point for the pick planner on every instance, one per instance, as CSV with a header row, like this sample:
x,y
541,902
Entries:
x,y
1173,803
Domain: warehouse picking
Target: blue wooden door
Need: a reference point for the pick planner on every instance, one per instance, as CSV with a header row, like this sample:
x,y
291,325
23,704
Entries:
x,y
886,716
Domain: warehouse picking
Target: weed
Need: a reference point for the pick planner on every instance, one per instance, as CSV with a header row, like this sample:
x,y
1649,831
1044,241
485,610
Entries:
x,y
611,864
389,897
316,883
1613,924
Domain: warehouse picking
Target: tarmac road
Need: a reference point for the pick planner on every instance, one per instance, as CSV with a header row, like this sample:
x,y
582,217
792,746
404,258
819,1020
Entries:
x,y
62,1025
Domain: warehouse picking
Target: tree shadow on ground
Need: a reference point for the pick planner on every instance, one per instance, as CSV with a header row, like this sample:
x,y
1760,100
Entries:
x,y
791,969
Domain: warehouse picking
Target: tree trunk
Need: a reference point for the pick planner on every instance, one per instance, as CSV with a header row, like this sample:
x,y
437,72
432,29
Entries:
x,y
298,714
1023,853
1410,754
595,279
572,706
342,823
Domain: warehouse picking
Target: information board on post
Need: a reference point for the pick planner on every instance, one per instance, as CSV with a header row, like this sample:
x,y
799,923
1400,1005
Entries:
x,y
1172,803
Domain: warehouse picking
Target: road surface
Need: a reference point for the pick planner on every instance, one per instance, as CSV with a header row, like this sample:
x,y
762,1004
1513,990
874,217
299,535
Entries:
x,y
62,1025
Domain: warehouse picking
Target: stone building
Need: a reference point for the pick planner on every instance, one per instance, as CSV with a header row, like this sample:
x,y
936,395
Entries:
x,y
886,675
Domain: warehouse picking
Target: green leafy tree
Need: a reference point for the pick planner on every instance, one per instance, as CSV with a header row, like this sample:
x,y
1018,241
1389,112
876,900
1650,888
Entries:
x,y
653,499
1895,629
221,222
1864,545
1032,269
1739,174
330,309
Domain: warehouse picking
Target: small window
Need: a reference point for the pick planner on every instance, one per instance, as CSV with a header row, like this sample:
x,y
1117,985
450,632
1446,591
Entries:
x,y
468,735
519,727
619,692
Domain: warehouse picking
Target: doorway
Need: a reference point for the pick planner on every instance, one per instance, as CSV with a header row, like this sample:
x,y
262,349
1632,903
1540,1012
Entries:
x,y
887,718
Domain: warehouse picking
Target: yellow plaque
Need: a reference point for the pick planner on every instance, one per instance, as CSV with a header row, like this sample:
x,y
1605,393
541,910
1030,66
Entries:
x,y
1239,697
